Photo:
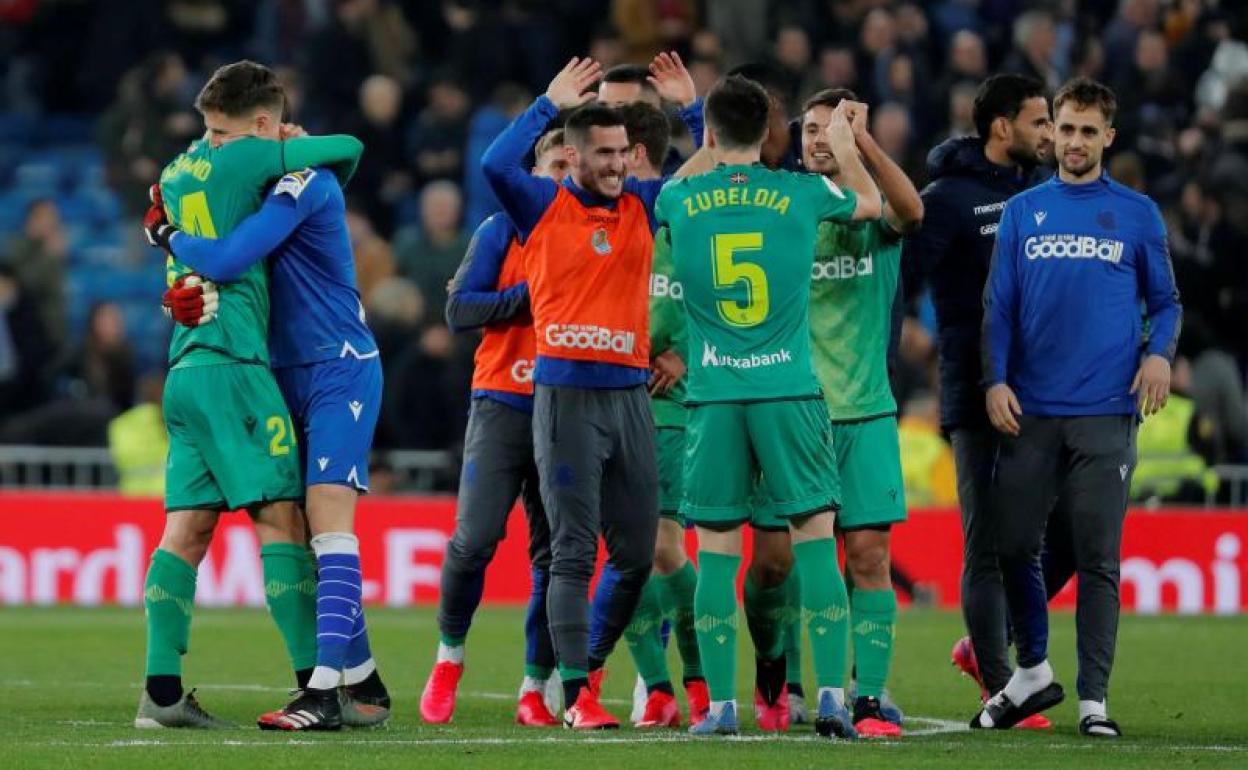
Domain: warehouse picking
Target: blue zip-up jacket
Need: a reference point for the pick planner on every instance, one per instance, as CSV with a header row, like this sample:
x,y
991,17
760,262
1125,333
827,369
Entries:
x,y
525,198
475,299
951,253
1062,320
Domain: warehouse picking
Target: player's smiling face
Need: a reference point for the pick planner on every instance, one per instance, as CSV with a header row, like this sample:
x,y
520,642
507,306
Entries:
x,y
817,154
223,129
599,165
1082,136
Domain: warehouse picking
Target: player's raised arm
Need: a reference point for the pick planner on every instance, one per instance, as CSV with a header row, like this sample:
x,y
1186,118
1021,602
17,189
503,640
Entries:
x,y
903,208
523,196
295,197
338,152
854,175
475,300
672,80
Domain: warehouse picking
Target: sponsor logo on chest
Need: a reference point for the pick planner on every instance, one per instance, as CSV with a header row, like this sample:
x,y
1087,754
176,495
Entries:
x,y
590,337
1071,246
663,286
842,268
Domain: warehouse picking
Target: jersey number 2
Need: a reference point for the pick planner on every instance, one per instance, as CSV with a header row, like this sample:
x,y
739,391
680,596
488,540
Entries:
x,y
729,272
278,430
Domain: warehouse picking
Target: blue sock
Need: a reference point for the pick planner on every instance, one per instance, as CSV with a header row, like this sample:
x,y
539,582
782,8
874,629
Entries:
x,y
339,592
539,651
600,606
358,650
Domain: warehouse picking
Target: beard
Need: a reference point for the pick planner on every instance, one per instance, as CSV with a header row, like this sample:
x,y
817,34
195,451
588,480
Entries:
x,y
1079,168
1025,156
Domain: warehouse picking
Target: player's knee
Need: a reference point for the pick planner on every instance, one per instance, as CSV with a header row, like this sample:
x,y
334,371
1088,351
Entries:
x,y
868,565
669,557
771,571
187,543
471,551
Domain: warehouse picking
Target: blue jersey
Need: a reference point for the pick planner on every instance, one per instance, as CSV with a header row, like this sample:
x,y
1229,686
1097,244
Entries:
x,y
1063,323
315,308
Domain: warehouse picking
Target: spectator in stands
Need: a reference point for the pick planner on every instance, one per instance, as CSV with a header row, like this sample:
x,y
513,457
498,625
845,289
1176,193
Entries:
x,y
792,53
1214,382
838,68
967,63
741,28
1035,40
382,176
508,101
436,141
139,443
651,26
430,255
23,349
37,261
103,367
877,45
374,258
1121,36
150,122
926,458
363,37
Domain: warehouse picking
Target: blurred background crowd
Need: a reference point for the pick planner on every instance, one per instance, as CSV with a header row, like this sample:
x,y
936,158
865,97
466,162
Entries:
x,y
95,97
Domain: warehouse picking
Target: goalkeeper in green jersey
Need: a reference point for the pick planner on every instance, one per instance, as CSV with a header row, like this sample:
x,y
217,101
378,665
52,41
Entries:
x,y
854,283
231,441
743,240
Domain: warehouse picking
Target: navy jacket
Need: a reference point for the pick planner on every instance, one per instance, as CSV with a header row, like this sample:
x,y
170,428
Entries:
x,y
951,254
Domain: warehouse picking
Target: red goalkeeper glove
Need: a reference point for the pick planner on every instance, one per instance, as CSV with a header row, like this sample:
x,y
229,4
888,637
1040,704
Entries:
x,y
191,301
155,225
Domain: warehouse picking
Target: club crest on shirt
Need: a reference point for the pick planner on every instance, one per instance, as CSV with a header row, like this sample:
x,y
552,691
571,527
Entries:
x,y
294,183
1106,220
600,243
738,178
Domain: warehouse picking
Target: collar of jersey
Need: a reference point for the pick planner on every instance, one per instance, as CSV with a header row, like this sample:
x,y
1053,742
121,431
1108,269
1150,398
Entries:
x,y
587,198
1094,187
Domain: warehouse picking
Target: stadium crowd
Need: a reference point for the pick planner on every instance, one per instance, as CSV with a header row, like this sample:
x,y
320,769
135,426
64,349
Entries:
x,y
428,85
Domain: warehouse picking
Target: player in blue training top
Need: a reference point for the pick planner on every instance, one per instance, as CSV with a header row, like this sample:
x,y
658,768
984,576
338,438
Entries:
x,y
1069,369
327,365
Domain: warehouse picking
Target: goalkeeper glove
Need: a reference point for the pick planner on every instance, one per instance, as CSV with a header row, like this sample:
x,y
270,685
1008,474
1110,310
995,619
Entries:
x,y
155,225
191,301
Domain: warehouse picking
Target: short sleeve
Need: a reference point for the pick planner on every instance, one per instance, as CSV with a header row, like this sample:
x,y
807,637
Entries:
x,y
829,201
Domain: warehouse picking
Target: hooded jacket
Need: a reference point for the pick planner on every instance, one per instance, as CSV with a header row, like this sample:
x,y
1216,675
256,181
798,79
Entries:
x,y
951,254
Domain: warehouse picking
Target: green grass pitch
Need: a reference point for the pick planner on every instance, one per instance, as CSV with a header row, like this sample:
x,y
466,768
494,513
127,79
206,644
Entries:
x,y
69,683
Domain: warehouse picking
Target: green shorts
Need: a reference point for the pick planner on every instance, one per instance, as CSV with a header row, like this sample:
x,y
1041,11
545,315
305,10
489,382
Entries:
x,y
669,444
231,441
728,447
868,455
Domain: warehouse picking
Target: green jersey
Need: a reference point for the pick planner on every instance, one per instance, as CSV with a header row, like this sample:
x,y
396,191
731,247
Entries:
x,y
667,329
854,281
743,240
207,191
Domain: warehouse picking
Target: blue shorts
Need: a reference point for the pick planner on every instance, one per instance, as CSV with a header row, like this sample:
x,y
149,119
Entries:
x,y
334,405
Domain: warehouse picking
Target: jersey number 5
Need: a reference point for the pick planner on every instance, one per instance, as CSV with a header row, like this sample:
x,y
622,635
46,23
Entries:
x,y
729,272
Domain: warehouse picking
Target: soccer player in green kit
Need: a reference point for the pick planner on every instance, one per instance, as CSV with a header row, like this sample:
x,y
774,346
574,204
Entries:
x,y
854,282
231,442
743,241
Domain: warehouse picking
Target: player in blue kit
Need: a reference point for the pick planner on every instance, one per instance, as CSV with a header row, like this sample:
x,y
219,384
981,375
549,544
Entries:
x,y
327,365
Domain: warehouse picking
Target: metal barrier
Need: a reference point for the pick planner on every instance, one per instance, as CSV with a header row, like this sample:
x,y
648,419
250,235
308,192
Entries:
x,y
85,468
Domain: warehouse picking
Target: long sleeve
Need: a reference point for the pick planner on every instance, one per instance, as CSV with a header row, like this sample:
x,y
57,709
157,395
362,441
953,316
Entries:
x,y
922,250
1001,302
226,259
339,152
691,116
474,300
523,196
1160,294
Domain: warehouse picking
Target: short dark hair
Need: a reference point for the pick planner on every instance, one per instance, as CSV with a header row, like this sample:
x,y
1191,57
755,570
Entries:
x,y
767,75
1002,96
648,126
628,73
1085,93
829,97
239,88
576,128
736,111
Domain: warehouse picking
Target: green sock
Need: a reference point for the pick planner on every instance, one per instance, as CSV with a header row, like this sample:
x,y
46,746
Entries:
x,y
793,628
676,597
825,609
642,636
540,673
168,596
715,603
873,618
290,591
766,611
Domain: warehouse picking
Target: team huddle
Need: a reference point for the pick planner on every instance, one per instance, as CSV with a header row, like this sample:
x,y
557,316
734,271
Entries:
x,y
662,347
